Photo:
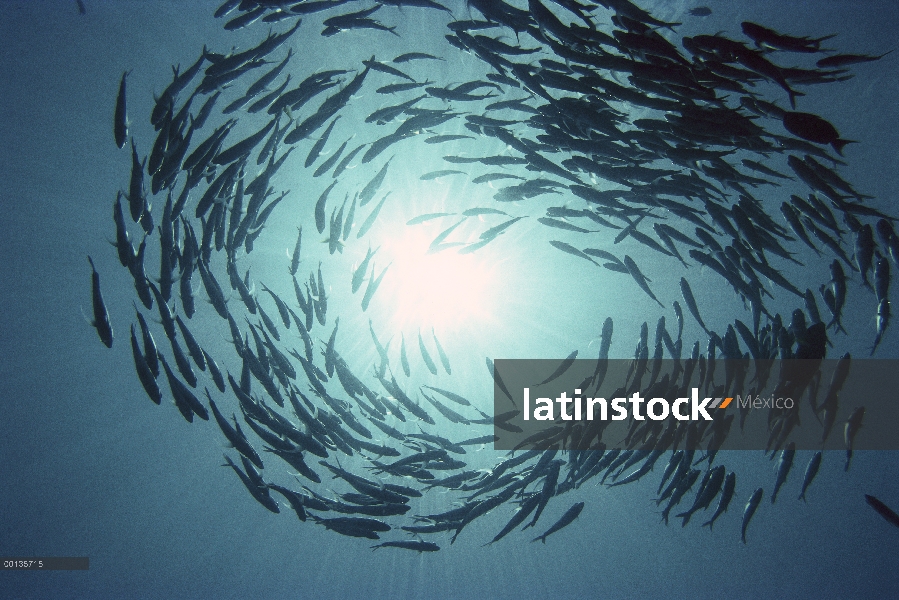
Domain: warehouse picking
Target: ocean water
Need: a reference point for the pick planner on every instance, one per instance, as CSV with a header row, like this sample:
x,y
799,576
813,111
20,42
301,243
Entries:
x,y
90,467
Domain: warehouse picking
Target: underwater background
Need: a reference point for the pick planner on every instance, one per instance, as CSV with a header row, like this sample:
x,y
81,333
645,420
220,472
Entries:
x,y
89,467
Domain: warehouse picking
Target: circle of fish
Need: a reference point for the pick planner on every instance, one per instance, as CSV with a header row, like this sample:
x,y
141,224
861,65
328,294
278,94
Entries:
x,y
655,153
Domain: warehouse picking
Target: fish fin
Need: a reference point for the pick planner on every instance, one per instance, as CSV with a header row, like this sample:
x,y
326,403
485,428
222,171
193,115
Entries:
x,y
87,320
793,94
839,143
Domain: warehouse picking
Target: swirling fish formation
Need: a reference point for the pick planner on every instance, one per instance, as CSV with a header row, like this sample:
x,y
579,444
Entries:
x,y
637,136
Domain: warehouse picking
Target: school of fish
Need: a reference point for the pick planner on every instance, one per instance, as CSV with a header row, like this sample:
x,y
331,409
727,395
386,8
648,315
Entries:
x,y
639,133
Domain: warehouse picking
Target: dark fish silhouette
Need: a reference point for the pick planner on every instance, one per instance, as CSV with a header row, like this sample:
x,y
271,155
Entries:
x,y
101,316
883,510
570,515
120,122
749,511
814,129
417,545
810,472
842,60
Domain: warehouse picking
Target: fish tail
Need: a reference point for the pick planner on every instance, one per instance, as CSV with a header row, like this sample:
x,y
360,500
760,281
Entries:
x,y
838,145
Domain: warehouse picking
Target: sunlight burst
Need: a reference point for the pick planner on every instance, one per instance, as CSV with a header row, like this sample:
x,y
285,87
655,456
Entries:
x,y
444,289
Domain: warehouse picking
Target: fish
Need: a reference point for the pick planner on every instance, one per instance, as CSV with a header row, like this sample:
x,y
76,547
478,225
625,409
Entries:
x,y
417,545
560,370
346,160
498,381
188,404
447,412
385,68
425,356
641,279
319,144
254,485
437,244
234,435
410,56
320,207
784,464
371,188
329,162
441,139
350,217
193,348
864,252
372,217
295,257
265,79
150,352
883,510
137,200
765,37
362,269
400,87
558,224
243,147
690,300
404,359
850,430
354,526
450,395
810,472
389,113
493,232
476,212
123,246
146,376
214,372
727,494
843,60
444,359
882,321
524,510
749,511
570,515
120,122
814,129
101,315
881,277
439,174
427,217
372,287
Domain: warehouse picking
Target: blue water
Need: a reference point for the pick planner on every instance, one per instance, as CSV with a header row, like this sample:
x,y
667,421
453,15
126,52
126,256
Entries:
x,y
89,467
